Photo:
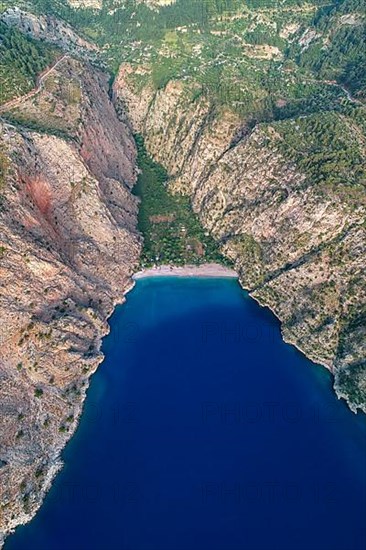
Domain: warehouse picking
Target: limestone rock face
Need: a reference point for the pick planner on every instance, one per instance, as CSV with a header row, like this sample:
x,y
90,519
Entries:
x,y
46,27
68,247
298,250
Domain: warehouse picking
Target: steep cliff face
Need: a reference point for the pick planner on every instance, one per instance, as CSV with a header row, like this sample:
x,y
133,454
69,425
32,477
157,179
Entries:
x,y
45,27
68,246
299,247
68,240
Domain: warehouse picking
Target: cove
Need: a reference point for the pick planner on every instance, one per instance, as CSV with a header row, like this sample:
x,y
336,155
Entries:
x,y
203,430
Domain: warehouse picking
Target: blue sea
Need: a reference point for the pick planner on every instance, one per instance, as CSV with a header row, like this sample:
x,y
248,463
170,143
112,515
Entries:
x,y
203,430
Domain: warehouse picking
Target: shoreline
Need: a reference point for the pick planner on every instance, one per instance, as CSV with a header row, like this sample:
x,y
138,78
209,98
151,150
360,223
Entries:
x,y
188,271
215,271
212,270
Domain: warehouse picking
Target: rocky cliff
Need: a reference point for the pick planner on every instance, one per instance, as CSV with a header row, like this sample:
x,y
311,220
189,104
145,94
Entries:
x,y
68,246
68,240
299,246
49,28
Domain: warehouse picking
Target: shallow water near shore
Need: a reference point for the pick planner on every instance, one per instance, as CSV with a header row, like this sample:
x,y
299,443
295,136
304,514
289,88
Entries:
x,y
203,430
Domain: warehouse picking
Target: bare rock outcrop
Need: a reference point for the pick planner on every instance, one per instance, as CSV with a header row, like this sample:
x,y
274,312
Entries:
x,y
49,28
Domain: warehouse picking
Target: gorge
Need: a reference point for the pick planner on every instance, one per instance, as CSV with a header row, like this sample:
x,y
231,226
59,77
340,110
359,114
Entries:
x,y
298,249
69,235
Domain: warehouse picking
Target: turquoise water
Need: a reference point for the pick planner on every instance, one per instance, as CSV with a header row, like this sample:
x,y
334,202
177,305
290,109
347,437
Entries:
x,y
203,430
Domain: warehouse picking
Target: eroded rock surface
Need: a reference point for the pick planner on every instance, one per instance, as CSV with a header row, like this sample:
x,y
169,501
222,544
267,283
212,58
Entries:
x,y
46,27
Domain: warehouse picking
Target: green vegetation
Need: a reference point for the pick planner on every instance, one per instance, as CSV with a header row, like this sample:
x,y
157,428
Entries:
x,y
172,232
344,26
21,120
249,56
351,382
4,167
251,257
253,57
21,60
325,148
270,63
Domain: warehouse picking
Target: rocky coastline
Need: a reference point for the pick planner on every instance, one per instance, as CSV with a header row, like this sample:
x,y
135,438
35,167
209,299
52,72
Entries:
x,y
69,245
297,249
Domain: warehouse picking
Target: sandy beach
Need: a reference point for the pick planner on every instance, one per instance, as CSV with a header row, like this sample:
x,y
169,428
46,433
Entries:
x,y
206,270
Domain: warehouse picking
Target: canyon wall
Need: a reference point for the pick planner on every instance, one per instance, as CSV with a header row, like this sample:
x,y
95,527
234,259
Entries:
x,y
299,248
68,248
69,244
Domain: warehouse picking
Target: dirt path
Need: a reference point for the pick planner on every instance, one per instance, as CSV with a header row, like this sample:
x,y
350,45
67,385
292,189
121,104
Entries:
x,y
345,91
39,86
336,85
